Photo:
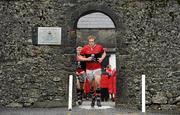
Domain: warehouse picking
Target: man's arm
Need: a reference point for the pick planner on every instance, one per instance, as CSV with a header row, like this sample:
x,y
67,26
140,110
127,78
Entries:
x,y
102,57
81,58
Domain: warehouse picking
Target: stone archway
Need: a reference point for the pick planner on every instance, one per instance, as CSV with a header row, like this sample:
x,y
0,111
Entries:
x,y
72,25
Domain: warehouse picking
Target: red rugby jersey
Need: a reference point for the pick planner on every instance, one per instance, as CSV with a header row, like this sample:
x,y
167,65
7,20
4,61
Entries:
x,y
87,50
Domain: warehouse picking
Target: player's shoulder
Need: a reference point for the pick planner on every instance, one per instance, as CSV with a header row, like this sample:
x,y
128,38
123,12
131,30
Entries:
x,y
99,45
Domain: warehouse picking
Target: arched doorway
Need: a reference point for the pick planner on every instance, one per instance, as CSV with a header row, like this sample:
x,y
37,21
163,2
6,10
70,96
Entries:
x,y
102,27
73,28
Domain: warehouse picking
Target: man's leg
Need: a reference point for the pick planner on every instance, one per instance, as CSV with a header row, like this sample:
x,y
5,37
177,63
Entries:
x,y
78,92
93,93
98,90
80,81
97,76
90,78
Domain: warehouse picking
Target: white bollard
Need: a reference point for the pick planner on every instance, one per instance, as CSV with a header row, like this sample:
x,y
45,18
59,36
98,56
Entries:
x,y
143,94
70,92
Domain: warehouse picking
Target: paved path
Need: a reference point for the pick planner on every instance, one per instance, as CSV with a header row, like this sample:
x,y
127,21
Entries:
x,y
85,109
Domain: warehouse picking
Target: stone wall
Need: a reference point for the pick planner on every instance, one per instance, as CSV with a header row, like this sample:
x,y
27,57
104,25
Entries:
x,y
32,75
150,46
147,43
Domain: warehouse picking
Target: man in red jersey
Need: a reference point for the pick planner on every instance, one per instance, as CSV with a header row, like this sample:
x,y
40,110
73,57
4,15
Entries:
x,y
80,73
93,67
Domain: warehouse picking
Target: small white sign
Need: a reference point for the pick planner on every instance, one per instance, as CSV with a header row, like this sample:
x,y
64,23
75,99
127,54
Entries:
x,y
49,35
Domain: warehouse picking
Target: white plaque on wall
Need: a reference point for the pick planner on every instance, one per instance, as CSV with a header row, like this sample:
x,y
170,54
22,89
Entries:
x,y
49,35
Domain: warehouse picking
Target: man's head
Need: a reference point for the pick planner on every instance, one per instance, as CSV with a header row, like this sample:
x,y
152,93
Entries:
x,y
108,66
91,40
78,49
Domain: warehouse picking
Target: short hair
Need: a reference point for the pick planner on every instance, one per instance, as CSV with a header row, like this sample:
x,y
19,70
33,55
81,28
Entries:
x,y
79,48
91,37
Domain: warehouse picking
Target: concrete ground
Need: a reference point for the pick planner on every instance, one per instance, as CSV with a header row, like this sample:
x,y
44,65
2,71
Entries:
x,y
108,108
